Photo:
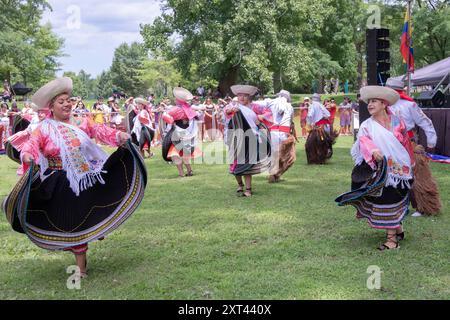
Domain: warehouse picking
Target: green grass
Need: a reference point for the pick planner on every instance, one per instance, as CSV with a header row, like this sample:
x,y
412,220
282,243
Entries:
x,y
194,239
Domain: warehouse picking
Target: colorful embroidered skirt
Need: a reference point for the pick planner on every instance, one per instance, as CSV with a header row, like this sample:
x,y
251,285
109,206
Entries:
x,y
54,218
383,207
250,154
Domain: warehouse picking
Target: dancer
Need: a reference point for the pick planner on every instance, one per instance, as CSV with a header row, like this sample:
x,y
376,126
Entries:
x,y
425,195
247,138
382,177
143,129
179,145
282,136
72,193
319,144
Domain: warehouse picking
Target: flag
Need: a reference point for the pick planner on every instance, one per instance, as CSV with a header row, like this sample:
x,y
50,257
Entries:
x,y
438,158
406,47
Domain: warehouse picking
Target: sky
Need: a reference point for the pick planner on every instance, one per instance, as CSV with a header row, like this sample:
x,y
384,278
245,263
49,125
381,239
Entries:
x,y
92,29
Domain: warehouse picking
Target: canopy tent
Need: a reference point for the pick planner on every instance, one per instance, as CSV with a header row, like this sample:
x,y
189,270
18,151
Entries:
x,y
431,75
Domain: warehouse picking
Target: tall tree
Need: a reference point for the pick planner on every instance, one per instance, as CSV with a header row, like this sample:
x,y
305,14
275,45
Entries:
x,y
255,41
431,31
104,84
83,84
126,68
28,50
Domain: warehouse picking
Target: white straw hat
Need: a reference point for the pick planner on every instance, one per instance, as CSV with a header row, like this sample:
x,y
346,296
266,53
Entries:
x,y
182,94
244,89
286,94
141,101
395,84
54,88
378,92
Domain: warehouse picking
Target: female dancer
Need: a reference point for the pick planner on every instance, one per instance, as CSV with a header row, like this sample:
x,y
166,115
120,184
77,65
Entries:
x,y
72,192
384,151
179,145
247,137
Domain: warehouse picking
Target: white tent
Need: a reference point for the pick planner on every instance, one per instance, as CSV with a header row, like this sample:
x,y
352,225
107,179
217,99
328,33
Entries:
x,y
431,75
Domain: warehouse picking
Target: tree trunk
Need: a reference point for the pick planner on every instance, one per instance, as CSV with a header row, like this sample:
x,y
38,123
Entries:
x,y
336,86
320,86
229,80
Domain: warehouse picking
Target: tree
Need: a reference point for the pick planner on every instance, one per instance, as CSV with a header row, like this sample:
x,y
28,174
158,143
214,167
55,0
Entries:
x,y
28,50
159,76
104,84
83,84
126,68
431,25
239,41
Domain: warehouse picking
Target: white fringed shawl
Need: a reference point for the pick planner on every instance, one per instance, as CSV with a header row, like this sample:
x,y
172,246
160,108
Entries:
x,y
81,158
399,162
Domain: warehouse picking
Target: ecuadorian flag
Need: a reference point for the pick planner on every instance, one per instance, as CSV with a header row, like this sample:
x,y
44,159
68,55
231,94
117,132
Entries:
x,y
406,47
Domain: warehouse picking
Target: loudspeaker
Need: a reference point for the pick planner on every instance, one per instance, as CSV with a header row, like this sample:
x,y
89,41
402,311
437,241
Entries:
x,y
427,100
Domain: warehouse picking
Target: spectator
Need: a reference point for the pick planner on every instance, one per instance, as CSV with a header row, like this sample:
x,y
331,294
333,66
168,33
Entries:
x,y
345,116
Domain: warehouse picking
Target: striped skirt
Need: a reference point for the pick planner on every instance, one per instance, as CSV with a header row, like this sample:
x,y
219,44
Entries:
x,y
383,207
248,153
54,218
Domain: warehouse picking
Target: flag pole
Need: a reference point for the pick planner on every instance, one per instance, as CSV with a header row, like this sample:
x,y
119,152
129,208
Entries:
x,y
408,61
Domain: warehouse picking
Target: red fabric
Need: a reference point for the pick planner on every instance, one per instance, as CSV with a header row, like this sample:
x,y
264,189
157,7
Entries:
x,y
404,96
284,129
78,249
332,110
190,113
322,122
411,134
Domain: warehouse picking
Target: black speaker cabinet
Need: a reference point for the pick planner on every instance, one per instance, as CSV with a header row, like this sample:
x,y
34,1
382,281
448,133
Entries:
x,y
429,100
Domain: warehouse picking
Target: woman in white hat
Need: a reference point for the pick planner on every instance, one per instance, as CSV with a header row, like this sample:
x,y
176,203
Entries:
x,y
247,137
180,143
80,194
143,128
383,137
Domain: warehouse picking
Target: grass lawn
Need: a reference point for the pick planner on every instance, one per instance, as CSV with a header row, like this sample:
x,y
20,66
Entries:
x,y
194,239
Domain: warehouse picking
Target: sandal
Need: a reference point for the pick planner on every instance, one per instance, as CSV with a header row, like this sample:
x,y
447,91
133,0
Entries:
x,y
190,174
391,240
240,190
246,194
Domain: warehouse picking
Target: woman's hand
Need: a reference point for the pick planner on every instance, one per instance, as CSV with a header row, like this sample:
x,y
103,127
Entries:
x,y
232,110
123,138
27,158
377,155
261,117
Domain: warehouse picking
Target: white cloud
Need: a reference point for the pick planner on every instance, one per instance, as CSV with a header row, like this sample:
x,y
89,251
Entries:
x,y
104,26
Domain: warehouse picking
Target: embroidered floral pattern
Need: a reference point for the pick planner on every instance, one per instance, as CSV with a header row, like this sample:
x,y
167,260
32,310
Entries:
x,y
73,144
